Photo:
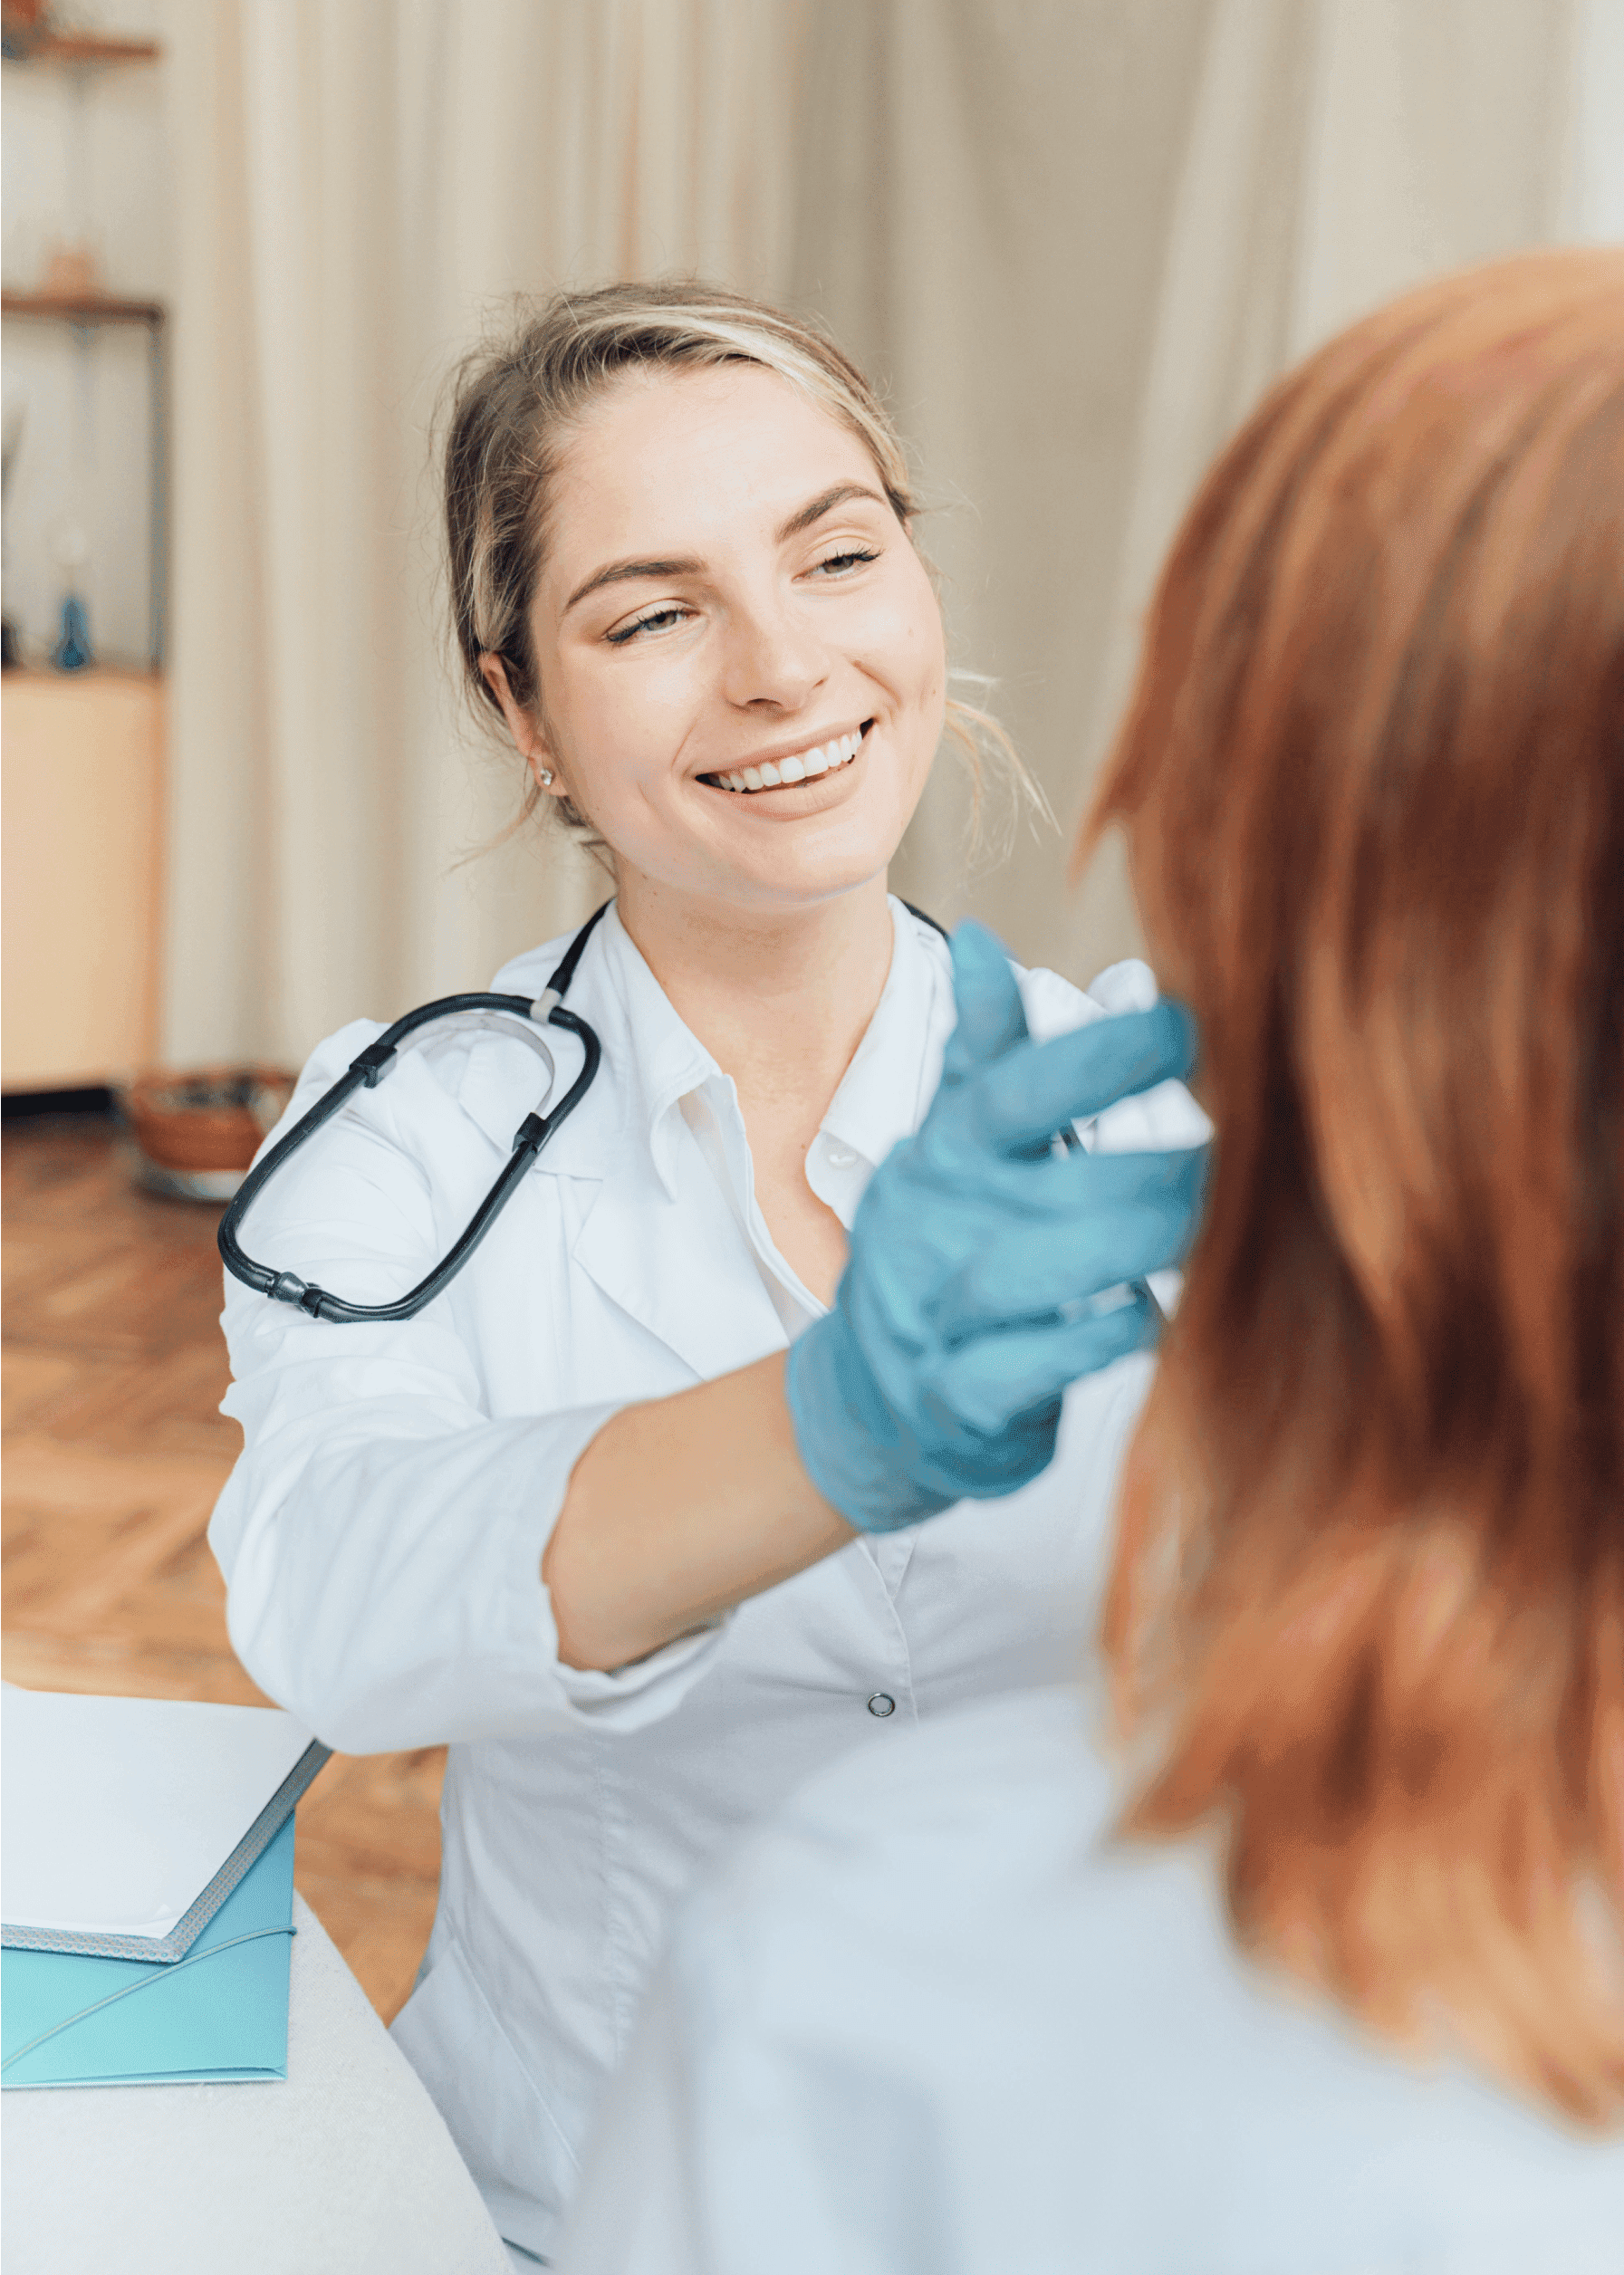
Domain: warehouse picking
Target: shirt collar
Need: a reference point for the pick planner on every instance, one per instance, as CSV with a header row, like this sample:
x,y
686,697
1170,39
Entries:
x,y
657,1061
883,1093
895,1070
668,1060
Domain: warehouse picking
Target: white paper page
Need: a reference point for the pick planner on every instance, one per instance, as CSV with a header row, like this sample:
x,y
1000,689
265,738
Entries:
x,y
119,1811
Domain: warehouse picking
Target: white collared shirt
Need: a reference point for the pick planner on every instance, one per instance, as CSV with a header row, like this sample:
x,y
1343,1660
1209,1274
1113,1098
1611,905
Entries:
x,y
381,1535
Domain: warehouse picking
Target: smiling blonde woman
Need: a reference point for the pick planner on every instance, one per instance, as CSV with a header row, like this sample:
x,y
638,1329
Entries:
x,y
581,1518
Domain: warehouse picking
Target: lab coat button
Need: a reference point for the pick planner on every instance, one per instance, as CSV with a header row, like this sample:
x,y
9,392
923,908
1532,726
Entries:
x,y
882,1704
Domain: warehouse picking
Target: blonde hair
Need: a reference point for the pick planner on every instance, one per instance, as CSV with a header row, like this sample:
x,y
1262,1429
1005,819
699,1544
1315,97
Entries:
x,y
513,405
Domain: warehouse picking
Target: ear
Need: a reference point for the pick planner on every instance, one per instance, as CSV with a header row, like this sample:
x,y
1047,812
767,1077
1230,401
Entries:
x,y
529,741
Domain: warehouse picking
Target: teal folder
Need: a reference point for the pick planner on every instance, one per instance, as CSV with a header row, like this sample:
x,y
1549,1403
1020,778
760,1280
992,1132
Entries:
x,y
219,2013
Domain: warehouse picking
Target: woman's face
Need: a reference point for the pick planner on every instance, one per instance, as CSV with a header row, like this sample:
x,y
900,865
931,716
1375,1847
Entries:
x,y
727,597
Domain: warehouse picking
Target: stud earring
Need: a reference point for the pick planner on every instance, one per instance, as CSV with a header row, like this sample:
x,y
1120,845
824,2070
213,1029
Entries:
x,y
544,777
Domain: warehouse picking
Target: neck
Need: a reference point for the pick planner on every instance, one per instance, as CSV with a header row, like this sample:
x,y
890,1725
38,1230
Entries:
x,y
780,999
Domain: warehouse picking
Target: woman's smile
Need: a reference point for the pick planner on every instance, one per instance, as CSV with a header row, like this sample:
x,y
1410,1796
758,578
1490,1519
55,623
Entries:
x,y
815,763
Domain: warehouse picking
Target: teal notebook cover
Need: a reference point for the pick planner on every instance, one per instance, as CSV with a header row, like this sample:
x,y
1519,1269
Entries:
x,y
219,2013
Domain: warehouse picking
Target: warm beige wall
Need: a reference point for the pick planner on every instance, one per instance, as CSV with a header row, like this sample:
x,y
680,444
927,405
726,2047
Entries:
x,y
359,188
80,832
1076,236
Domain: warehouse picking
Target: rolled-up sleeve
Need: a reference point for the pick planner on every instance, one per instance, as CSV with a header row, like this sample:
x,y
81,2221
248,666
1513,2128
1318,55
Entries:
x,y
381,1534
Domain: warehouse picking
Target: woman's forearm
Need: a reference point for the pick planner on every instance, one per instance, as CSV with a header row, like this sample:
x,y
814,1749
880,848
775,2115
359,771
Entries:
x,y
677,1510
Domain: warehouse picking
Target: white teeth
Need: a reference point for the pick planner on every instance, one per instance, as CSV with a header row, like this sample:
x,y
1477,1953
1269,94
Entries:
x,y
802,767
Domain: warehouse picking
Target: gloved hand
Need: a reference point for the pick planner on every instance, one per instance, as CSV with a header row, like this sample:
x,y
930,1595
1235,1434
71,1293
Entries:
x,y
965,1308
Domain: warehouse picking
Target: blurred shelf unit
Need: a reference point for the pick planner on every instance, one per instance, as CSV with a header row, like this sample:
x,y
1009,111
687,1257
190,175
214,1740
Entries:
x,y
29,35
80,844
83,786
86,313
80,308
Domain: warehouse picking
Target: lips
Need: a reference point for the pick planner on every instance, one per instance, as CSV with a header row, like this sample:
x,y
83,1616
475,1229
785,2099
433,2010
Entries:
x,y
823,758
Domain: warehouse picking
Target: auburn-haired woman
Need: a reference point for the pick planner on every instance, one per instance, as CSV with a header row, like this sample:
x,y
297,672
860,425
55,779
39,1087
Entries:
x,y
1320,1967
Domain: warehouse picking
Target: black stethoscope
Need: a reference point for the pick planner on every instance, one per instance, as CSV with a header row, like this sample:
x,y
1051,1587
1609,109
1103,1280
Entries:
x,y
367,1072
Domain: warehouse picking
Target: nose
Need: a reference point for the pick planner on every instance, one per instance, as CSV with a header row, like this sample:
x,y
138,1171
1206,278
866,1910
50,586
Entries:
x,y
772,660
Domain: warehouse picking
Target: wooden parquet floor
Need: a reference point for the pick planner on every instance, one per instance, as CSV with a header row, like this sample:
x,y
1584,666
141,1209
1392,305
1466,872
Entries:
x,y
113,1369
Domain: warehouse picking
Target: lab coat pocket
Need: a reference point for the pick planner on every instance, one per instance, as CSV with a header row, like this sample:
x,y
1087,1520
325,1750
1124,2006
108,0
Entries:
x,y
513,2145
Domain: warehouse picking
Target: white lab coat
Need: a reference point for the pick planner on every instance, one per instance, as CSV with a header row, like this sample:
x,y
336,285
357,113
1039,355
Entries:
x,y
381,1535
928,2021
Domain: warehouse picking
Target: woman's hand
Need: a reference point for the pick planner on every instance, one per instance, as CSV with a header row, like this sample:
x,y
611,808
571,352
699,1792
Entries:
x,y
979,1253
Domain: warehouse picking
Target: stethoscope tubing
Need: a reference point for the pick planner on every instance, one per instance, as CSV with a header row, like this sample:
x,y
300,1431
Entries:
x,y
368,1068
366,1071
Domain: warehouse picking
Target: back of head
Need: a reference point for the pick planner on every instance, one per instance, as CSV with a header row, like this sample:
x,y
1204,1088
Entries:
x,y
1369,1603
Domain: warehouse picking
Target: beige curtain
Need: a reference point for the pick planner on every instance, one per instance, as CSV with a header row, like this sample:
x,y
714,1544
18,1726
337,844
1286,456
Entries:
x,y
362,184
1076,237
1099,229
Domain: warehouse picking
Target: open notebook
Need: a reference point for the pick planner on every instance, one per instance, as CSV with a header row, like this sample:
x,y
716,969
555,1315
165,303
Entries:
x,y
128,1821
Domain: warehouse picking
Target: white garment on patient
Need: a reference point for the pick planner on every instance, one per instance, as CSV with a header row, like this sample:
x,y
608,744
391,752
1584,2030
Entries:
x,y
930,2022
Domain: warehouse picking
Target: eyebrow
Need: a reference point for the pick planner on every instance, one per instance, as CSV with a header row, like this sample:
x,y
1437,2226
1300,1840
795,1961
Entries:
x,y
687,565
826,503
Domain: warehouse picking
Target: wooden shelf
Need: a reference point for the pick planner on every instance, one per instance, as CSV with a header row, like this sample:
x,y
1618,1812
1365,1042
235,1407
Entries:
x,y
120,669
81,308
80,50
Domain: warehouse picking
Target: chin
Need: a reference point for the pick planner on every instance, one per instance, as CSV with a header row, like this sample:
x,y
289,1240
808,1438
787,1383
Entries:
x,y
821,865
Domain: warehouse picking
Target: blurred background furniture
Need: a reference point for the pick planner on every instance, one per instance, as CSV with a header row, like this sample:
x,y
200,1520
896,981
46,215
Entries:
x,y
84,253
85,266
82,844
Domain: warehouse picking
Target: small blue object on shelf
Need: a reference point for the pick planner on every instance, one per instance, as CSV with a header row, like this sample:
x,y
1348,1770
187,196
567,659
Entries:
x,y
72,649
221,2013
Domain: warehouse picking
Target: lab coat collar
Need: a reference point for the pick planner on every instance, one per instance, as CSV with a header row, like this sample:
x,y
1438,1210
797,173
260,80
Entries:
x,y
668,1062
895,1068
653,1059
642,1256
630,1122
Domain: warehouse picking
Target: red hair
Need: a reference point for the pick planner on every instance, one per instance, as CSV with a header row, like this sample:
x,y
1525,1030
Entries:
x,y
1367,1604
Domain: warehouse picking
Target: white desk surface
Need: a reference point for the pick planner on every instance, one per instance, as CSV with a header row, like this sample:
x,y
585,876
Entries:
x,y
346,2169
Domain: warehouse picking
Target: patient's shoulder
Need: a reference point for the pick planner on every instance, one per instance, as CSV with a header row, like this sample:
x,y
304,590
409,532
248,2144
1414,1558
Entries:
x,y
946,1937
977,1807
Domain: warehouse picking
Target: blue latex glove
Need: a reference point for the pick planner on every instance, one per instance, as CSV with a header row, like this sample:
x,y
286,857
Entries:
x,y
964,1311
